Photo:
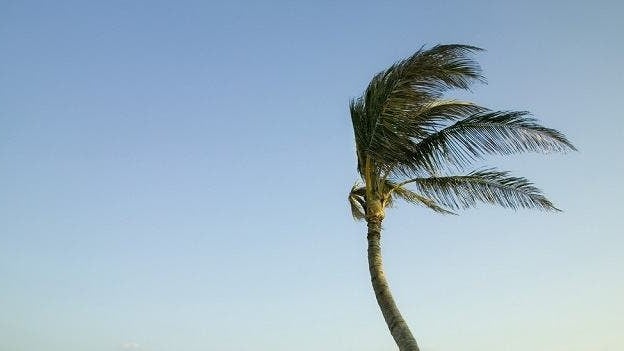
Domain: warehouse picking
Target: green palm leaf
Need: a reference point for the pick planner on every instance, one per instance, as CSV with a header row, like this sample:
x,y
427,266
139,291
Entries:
x,y
399,105
437,114
498,132
487,186
399,191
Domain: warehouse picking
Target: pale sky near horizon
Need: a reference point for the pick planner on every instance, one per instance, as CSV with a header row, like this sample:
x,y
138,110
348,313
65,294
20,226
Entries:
x,y
173,176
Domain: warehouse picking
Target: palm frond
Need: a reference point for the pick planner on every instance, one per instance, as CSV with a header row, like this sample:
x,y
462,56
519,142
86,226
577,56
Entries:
x,y
399,105
438,113
357,201
428,73
487,186
497,132
398,191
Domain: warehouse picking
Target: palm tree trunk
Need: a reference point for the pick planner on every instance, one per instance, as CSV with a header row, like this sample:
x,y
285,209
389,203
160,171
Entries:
x,y
397,325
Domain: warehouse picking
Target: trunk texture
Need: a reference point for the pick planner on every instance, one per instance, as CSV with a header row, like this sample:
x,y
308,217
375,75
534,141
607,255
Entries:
x,y
397,325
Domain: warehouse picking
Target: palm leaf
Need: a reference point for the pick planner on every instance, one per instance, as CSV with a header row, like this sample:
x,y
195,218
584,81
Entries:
x,y
398,191
487,186
437,114
498,132
396,105
357,202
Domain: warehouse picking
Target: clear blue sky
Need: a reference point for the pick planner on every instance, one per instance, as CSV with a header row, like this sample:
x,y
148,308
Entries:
x,y
173,176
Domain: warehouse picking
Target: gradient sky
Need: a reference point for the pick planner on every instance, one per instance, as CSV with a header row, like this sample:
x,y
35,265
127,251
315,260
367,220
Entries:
x,y
173,176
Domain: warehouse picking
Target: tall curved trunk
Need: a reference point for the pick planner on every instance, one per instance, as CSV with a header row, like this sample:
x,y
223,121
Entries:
x,y
397,325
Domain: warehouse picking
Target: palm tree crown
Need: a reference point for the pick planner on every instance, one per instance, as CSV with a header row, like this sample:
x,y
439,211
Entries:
x,y
410,140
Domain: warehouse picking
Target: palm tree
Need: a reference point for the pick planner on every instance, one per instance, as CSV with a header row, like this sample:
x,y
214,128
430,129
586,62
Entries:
x,y
413,144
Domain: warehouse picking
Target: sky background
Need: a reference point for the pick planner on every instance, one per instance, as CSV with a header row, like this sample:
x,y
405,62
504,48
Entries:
x,y
173,176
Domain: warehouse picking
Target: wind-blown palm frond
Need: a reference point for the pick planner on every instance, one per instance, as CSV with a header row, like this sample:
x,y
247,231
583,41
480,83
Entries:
x,y
427,73
357,200
437,114
360,122
399,191
488,186
394,108
497,132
